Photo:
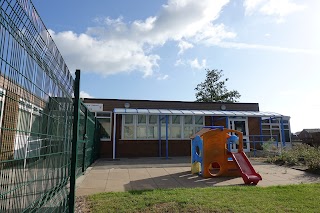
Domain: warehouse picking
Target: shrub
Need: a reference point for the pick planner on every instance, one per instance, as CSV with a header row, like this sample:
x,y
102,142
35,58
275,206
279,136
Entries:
x,y
301,154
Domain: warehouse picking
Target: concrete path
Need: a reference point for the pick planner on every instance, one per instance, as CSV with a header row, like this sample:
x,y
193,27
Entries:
x,y
154,173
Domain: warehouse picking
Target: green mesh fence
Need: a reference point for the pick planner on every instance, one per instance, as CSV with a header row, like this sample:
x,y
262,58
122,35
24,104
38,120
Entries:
x,y
87,144
36,115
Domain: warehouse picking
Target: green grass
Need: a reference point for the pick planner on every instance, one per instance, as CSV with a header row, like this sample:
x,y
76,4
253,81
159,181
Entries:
x,y
289,198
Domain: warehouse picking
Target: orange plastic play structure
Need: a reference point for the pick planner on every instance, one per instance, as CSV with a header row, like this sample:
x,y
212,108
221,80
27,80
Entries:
x,y
210,156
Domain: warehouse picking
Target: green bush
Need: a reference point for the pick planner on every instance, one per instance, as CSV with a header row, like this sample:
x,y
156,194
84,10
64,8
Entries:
x,y
301,154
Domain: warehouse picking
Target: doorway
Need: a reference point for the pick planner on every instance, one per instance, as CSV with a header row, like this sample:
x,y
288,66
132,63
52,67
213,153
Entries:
x,y
240,124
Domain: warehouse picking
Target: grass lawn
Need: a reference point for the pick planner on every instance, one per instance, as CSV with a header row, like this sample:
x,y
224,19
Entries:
x,y
289,198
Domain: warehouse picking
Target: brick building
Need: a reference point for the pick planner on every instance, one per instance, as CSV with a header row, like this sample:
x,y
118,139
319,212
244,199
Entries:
x,y
149,128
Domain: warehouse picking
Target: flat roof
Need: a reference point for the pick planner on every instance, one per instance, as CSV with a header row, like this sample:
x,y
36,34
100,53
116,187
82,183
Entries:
x,y
196,112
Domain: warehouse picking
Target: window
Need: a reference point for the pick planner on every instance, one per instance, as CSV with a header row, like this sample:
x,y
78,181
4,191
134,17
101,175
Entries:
x,y
28,137
192,124
105,120
128,119
175,127
142,119
142,127
24,121
152,127
128,127
272,126
137,127
199,123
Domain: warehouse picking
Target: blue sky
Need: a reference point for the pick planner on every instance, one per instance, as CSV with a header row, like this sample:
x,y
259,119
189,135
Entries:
x,y
159,50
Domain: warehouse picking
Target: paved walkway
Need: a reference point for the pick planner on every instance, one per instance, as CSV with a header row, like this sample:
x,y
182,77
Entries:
x,y
152,173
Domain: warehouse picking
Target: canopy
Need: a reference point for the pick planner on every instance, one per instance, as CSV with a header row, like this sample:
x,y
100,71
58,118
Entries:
x,y
195,112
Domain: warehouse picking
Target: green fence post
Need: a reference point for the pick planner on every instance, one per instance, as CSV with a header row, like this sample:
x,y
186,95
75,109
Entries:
x,y
74,142
96,138
85,138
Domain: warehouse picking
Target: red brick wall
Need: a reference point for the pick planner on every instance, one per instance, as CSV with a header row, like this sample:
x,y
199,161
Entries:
x,y
254,126
150,148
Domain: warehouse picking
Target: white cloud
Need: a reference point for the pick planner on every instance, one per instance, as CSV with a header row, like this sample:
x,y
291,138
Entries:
x,y
179,62
214,34
196,65
183,45
103,56
276,8
162,77
83,94
238,45
115,46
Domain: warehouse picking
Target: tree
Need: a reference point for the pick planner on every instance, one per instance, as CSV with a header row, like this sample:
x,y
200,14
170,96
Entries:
x,y
214,90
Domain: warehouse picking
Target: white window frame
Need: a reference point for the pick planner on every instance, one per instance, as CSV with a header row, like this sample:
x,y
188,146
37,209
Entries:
x,y
144,125
155,125
22,139
102,117
2,100
246,141
131,124
276,127
170,124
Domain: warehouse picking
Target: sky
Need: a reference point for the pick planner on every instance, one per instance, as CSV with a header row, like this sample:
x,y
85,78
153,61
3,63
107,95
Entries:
x,y
160,49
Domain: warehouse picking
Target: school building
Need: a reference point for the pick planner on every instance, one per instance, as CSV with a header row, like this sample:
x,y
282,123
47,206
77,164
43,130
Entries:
x,y
151,128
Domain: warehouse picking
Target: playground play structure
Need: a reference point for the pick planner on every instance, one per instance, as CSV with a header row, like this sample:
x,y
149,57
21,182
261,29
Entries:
x,y
211,155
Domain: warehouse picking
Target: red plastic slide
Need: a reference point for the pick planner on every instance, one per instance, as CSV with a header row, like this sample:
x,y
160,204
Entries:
x,y
249,175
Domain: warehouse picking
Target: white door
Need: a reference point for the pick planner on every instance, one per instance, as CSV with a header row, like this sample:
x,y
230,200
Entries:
x,y
241,125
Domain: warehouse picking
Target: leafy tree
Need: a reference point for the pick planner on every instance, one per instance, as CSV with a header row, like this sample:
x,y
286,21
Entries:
x,y
213,89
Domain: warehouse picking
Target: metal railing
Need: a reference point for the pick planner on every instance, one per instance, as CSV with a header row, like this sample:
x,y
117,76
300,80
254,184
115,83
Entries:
x,y
264,145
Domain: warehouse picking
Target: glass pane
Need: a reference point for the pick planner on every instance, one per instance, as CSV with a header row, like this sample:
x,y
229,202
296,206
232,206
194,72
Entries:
x,y
198,128
153,132
128,132
175,132
128,119
105,131
163,131
265,132
35,124
198,120
175,119
142,119
276,135
188,131
153,119
240,126
163,119
188,119
141,132
23,120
